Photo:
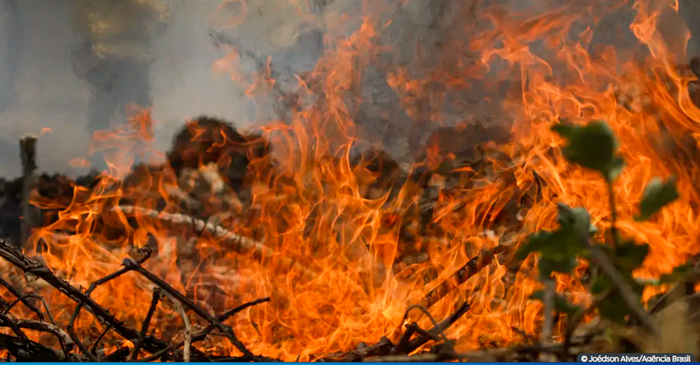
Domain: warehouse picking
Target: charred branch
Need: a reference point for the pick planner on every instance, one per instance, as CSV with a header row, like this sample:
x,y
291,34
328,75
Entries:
x,y
25,350
128,263
30,266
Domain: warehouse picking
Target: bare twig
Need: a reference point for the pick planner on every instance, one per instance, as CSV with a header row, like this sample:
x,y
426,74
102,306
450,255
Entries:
x,y
380,348
188,329
624,288
465,273
97,342
548,323
145,325
8,322
71,330
203,334
237,243
27,265
439,328
191,306
24,349
63,338
22,299
19,294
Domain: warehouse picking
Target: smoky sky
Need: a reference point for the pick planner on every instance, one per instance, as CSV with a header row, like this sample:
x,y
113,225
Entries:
x,y
40,94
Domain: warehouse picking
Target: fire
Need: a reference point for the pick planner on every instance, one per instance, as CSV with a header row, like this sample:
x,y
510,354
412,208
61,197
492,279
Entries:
x,y
332,256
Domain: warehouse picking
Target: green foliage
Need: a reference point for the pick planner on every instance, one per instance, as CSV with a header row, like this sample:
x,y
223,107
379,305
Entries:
x,y
595,147
656,195
592,146
626,257
560,303
559,249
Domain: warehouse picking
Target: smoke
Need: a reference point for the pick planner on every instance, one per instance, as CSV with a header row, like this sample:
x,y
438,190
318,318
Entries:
x,y
40,94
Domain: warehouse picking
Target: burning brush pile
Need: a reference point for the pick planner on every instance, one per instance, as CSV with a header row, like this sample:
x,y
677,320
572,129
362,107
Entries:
x,y
570,228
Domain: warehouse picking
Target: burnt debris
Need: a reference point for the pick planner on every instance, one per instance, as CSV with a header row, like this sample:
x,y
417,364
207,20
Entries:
x,y
208,140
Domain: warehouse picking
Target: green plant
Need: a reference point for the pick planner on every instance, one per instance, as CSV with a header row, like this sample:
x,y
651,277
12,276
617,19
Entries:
x,y
594,147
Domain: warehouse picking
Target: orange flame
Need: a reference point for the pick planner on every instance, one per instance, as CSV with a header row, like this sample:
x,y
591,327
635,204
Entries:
x,y
328,255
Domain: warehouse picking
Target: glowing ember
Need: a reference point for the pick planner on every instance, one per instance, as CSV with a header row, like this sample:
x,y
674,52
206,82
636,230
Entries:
x,y
336,254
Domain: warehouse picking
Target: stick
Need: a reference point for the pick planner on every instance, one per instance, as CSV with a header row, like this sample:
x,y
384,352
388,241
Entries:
x,y
27,265
8,322
203,334
384,346
23,299
188,329
625,290
439,328
190,305
27,145
237,243
63,338
97,342
466,272
26,350
549,295
71,330
145,325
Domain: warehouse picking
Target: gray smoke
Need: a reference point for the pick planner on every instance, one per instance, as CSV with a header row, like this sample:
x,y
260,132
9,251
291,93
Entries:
x,y
39,90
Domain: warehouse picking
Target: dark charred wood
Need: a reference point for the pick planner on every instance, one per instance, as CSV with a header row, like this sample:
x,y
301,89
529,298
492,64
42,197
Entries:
x,y
11,254
206,140
146,323
135,266
24,350
21,297
383,347
10,209
203,334
29,219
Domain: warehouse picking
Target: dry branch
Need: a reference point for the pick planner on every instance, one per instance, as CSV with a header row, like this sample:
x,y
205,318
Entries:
x,y
135,266
146,323
229,240
466,272
30,266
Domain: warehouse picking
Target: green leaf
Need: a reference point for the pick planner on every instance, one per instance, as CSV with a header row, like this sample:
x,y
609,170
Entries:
x,y
575,218
559,249
560,303
557,244
613,308
564,265
656,195
629,256
535,243
592,146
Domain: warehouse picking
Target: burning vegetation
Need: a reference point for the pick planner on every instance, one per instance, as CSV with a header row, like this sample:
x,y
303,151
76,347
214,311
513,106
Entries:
x,y
569,226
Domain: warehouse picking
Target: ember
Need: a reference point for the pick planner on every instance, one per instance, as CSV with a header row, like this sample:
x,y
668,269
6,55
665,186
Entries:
x,y
557,229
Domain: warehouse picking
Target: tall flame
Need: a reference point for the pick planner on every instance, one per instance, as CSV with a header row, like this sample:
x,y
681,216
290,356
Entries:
x,y
327,253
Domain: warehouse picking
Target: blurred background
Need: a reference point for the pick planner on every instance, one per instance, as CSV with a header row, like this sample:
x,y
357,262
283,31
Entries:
x,y
48,87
